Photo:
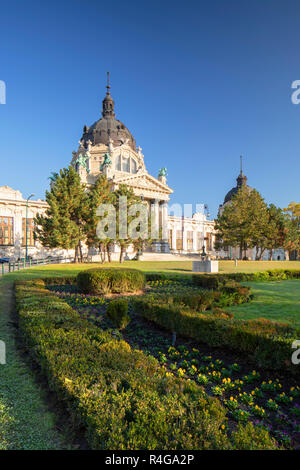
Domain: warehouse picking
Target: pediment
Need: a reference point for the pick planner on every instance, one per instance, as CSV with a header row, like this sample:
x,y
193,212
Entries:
x,y
143,181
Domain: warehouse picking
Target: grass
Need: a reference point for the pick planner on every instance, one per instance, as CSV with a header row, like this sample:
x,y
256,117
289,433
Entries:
x,y
179,267
279,301
25,419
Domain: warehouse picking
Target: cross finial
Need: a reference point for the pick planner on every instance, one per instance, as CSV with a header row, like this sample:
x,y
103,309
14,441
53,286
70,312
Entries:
x,y
107,86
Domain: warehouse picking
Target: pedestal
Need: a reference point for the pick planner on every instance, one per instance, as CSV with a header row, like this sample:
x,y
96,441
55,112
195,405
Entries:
x,y
156,247
165,247
206,266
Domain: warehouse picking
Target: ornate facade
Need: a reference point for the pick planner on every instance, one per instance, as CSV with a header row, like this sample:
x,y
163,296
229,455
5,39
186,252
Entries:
x,y
13,227
107,147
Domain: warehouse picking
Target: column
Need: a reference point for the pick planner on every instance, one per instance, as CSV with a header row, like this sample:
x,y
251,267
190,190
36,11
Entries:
x,y
155,225
165,247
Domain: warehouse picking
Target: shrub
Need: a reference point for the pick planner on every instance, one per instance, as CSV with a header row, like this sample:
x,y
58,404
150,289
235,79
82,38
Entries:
x,y
267,343
121,397
155,277
117,311
215,281
109,280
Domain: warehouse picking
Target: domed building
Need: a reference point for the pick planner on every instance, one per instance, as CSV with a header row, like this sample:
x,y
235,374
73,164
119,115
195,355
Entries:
x,y
234,252
241,182
108,147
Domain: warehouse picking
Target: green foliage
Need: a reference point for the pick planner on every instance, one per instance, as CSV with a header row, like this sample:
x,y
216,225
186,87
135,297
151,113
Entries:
x,y
217,281
63,223
244,221
99,193
117,311
266,343
248,437
121,397
104,281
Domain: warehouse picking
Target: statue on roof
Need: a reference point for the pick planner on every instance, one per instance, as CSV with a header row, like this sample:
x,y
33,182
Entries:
x,y
53,177
106,162
162,175
82,160
162,172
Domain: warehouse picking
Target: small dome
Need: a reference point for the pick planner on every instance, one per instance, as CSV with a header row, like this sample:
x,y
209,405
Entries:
x,y
241,182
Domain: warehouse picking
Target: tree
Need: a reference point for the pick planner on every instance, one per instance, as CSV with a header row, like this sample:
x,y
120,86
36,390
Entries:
x,y
243,222
292,231
128,209
275,230
63,225
100,193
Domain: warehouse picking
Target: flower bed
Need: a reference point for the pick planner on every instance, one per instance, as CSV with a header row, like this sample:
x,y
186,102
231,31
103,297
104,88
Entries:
x,y
268,344
247,395
121,396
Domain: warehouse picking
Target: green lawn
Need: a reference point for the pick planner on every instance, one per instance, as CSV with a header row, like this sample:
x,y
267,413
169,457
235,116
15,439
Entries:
x,y
182,267
278,301
25,419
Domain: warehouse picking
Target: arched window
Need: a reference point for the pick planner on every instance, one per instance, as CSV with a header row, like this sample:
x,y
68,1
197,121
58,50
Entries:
x,y
133,166
126,164
118,163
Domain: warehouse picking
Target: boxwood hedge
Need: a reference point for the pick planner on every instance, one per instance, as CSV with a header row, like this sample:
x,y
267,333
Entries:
x,y
109,280
122,398
266,343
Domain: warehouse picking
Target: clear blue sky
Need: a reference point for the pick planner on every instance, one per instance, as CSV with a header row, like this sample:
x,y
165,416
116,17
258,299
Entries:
x,y
197,83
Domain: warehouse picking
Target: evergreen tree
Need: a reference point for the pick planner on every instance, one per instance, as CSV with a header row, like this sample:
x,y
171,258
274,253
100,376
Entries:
x,y
63,225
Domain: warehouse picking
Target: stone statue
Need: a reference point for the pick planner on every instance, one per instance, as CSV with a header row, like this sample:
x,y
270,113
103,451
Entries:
x,y
82,160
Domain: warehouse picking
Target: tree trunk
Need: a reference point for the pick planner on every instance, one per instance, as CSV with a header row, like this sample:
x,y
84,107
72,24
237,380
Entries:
x,y
271,254
80,252
108,253
241,251
76,254
121,254
102,252
261,253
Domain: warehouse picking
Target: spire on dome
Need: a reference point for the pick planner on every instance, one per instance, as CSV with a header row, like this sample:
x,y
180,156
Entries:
x,y
108,104
241,179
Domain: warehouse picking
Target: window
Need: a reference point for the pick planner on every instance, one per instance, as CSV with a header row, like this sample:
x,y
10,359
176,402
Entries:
x,y
118,163
6,230
30,230
178,239
209,241
171,239
133,166
199,241
126,164
189,240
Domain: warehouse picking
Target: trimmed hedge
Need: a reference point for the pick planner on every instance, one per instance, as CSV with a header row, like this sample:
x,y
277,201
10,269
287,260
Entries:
x,y
267,343
215,281
121,397
117,312
110,280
